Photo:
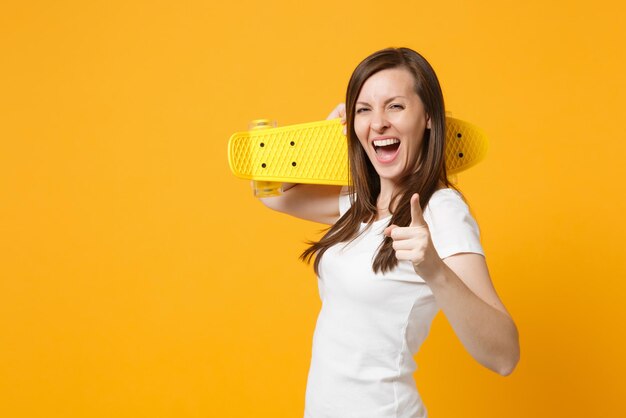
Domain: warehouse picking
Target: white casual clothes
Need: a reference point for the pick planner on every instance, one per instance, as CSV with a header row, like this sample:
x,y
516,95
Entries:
x,y
370,325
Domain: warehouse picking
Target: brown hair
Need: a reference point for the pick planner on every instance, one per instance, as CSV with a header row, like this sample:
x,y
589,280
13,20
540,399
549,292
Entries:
x,y
423,176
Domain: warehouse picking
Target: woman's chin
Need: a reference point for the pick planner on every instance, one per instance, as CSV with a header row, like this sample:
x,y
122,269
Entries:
x,y
392,176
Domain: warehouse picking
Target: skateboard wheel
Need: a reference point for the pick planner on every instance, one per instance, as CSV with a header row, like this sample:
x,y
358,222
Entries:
x,y
261,124
267,188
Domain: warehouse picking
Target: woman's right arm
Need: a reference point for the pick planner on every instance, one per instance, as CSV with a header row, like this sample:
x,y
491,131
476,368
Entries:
x,y
313,202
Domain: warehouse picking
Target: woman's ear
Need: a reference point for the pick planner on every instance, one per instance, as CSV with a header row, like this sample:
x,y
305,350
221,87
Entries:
x,y
427,122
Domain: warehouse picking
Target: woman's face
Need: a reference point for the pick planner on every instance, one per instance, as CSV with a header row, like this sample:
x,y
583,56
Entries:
x,y
389,121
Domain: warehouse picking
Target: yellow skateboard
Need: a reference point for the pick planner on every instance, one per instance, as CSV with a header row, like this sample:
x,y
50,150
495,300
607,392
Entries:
x,y
317,153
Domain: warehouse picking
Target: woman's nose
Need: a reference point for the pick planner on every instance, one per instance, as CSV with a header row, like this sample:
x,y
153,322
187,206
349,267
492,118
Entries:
x,y
379,123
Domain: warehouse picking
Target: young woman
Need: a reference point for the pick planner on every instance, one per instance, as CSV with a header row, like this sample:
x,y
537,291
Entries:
x,y
402,245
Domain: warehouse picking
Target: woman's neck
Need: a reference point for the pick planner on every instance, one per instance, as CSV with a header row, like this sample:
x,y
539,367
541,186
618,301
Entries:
x,y
387,190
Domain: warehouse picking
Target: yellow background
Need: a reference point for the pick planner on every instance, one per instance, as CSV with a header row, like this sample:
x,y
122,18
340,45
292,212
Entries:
x,y
139,278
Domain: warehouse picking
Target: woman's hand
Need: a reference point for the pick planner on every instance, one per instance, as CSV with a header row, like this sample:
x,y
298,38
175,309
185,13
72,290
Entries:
x,y
413,243
339,112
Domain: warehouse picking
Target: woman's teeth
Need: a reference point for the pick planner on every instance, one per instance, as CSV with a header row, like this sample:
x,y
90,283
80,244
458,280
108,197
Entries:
x,y
385,142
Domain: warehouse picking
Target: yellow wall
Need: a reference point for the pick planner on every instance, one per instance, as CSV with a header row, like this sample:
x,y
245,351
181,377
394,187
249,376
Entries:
x,y
139,278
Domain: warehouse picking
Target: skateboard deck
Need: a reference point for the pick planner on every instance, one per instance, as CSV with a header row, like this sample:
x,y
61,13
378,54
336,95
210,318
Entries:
x,y
317,152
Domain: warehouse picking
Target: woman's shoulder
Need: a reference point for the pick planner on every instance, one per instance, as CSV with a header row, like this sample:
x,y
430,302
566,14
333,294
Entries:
x,y
446,194
453,228
446,201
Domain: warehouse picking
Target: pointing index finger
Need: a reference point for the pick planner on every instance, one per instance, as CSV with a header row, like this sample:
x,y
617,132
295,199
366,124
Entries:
x,y
417,217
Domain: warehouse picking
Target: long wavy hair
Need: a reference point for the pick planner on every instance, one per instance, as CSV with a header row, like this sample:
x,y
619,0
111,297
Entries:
x,y
422,176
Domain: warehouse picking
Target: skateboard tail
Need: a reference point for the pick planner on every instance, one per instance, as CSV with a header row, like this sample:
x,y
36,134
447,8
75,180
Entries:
x,y
466,145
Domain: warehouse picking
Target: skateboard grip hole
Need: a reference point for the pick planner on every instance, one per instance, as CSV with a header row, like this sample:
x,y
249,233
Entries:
x,y
293,164
460,155
292,143
458,135
263,165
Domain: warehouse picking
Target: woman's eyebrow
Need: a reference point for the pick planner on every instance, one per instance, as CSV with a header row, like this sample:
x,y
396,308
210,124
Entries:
x,y
386,101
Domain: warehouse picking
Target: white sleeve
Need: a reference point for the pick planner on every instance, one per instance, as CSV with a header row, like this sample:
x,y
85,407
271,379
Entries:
x,y
344,201
452,227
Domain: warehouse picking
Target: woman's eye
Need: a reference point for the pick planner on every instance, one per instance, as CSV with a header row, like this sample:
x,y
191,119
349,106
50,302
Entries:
x,y
396,106
361,110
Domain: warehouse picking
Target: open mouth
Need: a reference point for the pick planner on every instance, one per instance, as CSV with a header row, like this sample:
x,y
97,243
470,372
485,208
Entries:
x,y
386,149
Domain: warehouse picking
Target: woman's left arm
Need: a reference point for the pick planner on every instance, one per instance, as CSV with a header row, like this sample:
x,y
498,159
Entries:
x,y
463,290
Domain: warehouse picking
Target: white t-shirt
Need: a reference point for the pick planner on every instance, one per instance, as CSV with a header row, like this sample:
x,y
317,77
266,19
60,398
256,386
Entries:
x,y
370,325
